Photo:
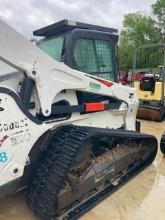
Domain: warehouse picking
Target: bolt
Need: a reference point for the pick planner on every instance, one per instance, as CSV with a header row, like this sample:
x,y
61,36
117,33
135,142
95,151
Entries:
x,y
47,111
34,72
15,171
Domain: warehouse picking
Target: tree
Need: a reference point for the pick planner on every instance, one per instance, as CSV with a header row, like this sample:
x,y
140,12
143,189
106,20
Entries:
x,y
159,11
138,30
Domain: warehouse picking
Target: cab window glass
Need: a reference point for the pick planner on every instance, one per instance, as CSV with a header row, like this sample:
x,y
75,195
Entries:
x,y
85,56
105,60
94,57
53,47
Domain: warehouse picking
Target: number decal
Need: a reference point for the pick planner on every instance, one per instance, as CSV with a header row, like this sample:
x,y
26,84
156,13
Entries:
x,y
3,157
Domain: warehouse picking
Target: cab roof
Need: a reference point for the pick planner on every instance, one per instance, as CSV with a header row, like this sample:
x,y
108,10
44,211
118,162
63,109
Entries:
x,y
67,25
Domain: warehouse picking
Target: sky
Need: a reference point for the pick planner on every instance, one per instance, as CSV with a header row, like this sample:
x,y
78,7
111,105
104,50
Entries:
x,y
28,15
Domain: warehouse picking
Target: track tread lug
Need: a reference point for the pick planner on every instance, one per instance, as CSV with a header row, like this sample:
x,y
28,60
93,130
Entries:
x,y
51,174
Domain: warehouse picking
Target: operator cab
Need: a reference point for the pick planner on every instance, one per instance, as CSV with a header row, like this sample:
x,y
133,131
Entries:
x,y
84,47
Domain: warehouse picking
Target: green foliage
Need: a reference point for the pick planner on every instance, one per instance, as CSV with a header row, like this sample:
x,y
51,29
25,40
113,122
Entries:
x,y
139,30
159,11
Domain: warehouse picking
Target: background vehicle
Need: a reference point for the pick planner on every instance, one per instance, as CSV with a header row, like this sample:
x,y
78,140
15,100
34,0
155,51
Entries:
x,y
151,90
68,135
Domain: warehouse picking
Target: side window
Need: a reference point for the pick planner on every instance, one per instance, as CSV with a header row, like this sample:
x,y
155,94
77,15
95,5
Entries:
x,y
52,47
105,60
94,57
85,56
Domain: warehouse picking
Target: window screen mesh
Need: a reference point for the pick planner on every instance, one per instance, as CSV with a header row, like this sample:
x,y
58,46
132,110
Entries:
x,y
85,56
94,57
104,59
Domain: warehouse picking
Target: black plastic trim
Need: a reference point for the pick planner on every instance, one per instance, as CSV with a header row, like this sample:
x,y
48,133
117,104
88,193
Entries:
x,y
26,92
80,108
115,105
138,125
20,104
67,109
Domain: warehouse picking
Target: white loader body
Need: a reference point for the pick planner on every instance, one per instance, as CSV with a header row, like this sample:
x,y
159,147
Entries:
x,y
54,81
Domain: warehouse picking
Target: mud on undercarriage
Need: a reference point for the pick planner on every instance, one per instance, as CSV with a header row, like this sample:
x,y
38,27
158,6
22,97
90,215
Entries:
x,y
83,165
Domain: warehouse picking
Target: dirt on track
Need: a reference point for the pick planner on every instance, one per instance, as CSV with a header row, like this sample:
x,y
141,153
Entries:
x,y
141,199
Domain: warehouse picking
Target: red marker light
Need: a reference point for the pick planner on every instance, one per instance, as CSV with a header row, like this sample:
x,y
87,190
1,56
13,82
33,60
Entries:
x,y
95,106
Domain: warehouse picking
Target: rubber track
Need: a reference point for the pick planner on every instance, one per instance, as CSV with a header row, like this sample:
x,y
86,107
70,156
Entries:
x,y
52,172
162,143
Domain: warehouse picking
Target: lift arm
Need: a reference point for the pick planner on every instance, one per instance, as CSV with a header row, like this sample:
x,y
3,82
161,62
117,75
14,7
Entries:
x,y
51,76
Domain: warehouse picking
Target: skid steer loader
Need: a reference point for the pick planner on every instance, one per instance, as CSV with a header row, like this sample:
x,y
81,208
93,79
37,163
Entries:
x,y
68,136
151,90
